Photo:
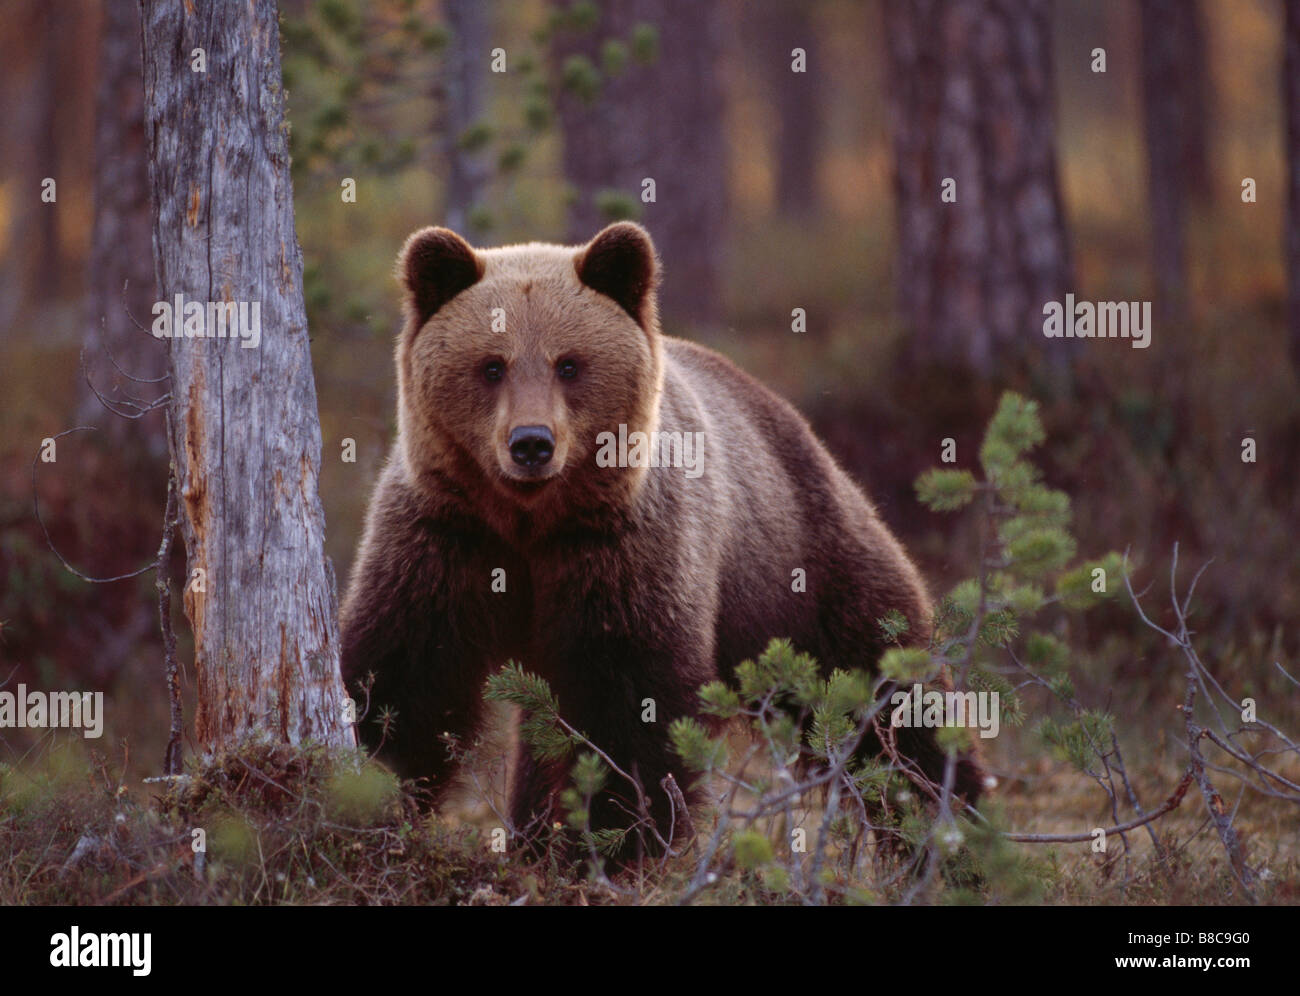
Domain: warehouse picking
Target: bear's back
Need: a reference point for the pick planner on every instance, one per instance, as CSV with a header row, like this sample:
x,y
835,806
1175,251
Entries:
x,y
772,518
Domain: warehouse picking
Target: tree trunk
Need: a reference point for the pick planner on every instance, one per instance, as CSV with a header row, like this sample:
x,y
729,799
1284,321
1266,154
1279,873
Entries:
x,y
1291,86
797,98
245,435
661,121
49,282
121,250
1174,111
466,99
971,100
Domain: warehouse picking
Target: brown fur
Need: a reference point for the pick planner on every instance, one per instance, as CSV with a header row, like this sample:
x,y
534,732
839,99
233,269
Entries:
x,y
622,583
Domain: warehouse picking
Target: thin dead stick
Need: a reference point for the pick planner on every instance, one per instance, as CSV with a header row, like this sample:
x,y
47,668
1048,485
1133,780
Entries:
x,y
674,791
1197,675
643,804
1077,838
172,757
36,508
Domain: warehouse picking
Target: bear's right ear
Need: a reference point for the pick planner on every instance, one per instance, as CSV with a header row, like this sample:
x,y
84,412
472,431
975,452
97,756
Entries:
x,y
436,264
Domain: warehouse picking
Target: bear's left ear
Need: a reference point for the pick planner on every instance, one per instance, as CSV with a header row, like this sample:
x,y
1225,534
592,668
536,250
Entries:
x,y
436,264
620,263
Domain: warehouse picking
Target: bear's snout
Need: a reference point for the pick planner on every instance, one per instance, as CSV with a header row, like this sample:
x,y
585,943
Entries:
x,y
531,446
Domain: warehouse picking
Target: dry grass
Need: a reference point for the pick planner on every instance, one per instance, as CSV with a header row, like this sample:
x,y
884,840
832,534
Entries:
x,y
299,828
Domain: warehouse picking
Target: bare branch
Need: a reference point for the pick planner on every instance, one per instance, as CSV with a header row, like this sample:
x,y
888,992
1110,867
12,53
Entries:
x,y
1170,805
36,507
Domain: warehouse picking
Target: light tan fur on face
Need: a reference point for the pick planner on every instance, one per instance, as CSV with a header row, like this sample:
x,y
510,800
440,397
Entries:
x,y
455,424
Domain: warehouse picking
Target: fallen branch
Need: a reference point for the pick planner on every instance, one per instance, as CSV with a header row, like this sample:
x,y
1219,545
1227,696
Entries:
x,y
1077,838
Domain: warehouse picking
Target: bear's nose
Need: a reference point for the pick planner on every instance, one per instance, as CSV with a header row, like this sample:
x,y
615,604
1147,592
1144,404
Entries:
x,y
531,445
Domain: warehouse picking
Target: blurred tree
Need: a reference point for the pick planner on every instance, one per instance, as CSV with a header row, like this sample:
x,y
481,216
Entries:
x,y
468,169
1174,102
642,100
971,102
21,127
1291,88
49,255
782,26
245,433
121,250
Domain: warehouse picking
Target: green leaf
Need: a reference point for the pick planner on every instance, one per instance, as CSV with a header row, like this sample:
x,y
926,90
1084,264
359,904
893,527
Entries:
x,y
589,774
1014,429
1024,600
946,490
694,745
752,849
893,624
615,205
907,664
435,38
475,137
539,727
720,699
512,157
582,15
1046,653
1010,707
1081,741
614,57
1040,551
1077,588
580,77
645,43
537,113
999,628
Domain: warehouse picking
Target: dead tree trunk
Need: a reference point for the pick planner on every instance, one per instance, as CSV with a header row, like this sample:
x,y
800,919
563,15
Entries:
x,y
1291,87
121,252
244,430
661,121
971,103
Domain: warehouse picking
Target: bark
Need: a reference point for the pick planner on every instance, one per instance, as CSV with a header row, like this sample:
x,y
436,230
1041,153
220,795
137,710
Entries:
x,y
971,99
245,436
664,121
22,79
121,251
797,98
466,99
1174,112
1291,88
49,272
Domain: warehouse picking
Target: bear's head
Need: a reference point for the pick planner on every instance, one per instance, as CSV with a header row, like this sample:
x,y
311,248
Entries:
x,y
514,360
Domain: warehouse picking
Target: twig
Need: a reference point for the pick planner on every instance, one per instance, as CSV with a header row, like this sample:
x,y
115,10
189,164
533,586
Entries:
x,y
36,508
172,756
1075,838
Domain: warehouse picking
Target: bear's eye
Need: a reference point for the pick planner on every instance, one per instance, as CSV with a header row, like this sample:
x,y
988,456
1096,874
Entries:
x,y
494,370
567,369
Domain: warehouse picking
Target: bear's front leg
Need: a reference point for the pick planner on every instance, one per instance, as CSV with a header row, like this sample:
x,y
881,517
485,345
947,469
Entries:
x,y
620,676
422,617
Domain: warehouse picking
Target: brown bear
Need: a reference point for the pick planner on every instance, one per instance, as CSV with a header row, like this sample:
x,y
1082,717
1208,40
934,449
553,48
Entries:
x,y
631,570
